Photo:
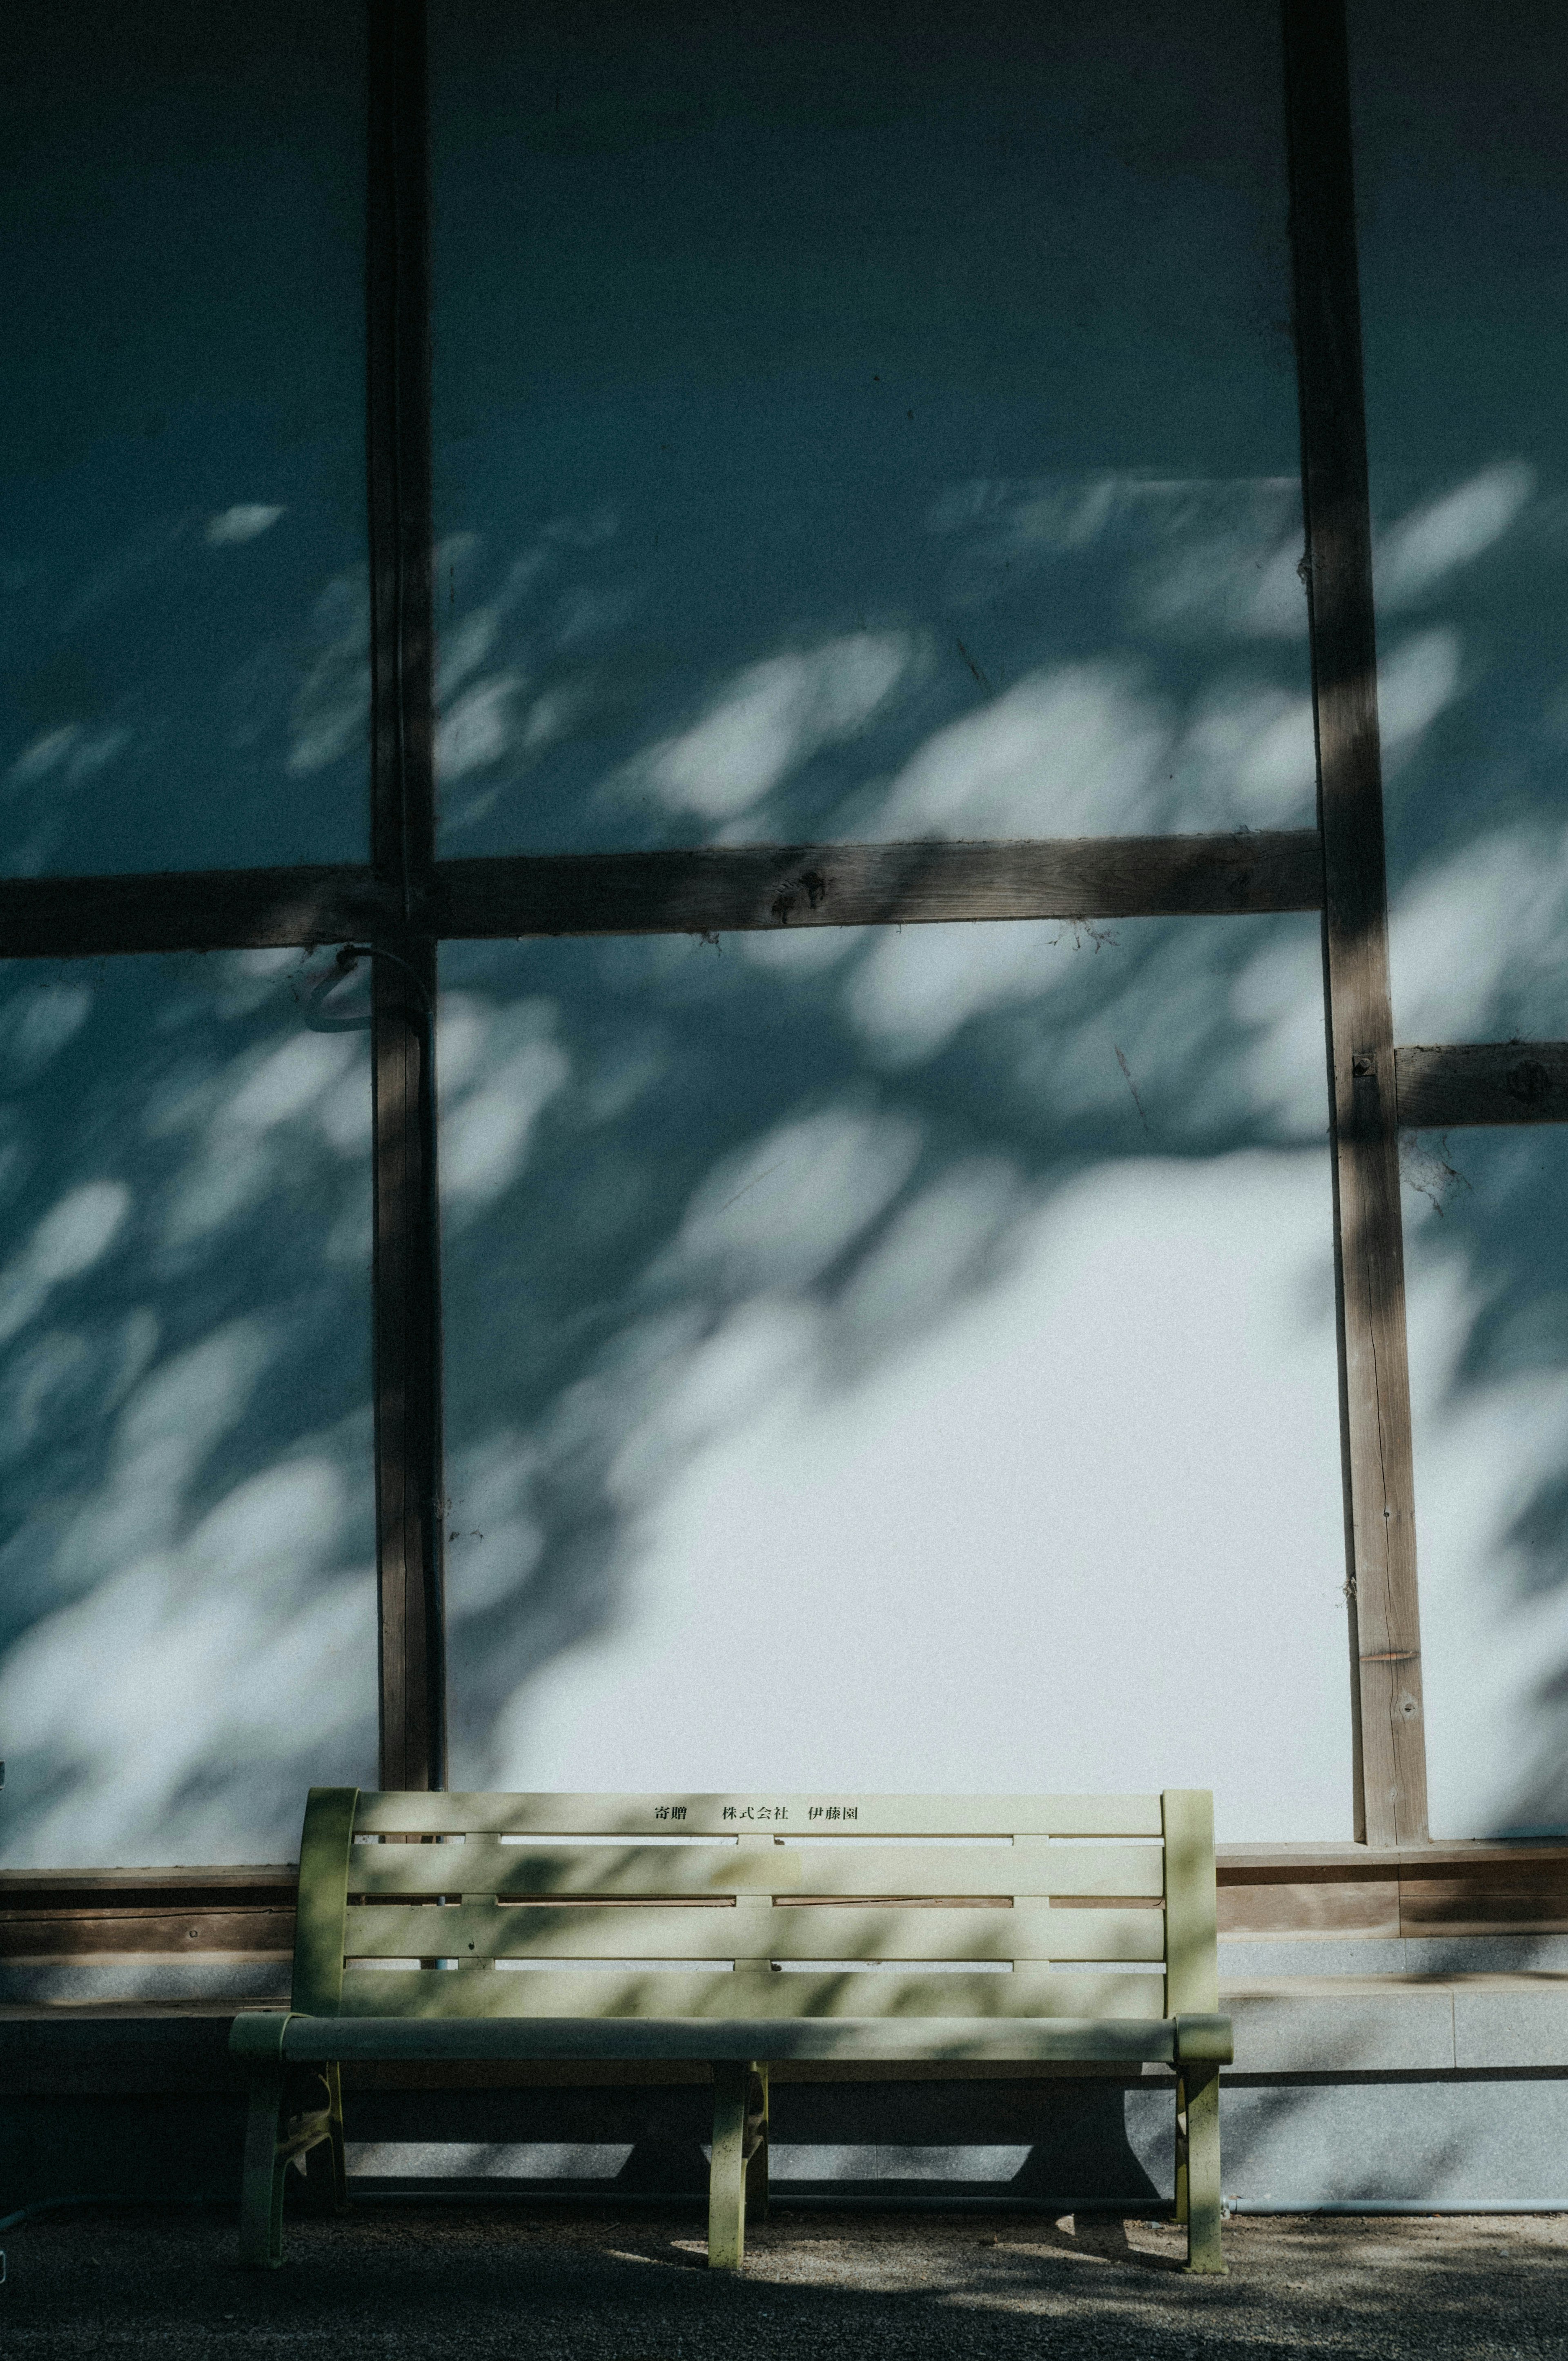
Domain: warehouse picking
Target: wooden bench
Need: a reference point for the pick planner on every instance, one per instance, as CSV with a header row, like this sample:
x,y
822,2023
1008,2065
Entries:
x,y
797,1927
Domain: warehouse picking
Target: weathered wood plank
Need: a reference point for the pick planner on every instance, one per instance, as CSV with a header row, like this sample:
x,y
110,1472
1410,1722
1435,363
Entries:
x,y
54,1938
720,889
406,1281
221,1886
1492,1902
716,889
1324,1907
761,1814
194,910
1390,1760
749,1930
410,1481
1470,1887
1482,1083
759,1992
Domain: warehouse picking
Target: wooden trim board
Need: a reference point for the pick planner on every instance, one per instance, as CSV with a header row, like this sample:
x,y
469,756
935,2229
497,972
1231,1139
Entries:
x,y
1482,1083
720,889
1389,1751
406,1280
716,889
1323,1892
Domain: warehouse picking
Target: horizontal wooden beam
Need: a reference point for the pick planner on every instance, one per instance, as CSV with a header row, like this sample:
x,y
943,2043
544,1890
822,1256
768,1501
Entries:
x,y
106,1938
189,910
101,1918
1482,1083
724,889
711,890
1470,1888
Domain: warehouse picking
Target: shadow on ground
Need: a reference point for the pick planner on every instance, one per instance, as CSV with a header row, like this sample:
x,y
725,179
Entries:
x,y
492,2281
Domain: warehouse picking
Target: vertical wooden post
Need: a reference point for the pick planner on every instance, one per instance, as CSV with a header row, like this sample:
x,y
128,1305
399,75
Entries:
x,y
1374,1387
409,1486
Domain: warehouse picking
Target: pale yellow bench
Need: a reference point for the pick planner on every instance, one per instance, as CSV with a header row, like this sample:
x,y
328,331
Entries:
x,y
795,1927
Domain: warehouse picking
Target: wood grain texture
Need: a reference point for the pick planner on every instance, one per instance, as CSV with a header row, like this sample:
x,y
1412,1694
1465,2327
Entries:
x,y
1390,1760
56,1938
1466,1888
189,910
721,889
1482,1083
1494,1902
716,889
410,1478
223,1885
406,1284
1316,1909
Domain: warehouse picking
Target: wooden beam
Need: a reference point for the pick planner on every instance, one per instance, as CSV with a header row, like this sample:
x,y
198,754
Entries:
x,y
1482,1083
189,910
1464,1889
409,1483
718,889
1380,1531
734,888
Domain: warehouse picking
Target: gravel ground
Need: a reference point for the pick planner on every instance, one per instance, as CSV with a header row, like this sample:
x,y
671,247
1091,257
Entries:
x,y
494,2280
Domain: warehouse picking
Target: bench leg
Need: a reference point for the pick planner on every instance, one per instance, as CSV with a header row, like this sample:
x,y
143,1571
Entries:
x,y
261,2189
739,2137
1198,2167
274,2140
325,2171
1178,2209
757,2146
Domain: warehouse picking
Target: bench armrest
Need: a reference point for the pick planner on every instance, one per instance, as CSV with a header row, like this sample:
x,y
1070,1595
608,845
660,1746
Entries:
x,y
256,2036
1203,2041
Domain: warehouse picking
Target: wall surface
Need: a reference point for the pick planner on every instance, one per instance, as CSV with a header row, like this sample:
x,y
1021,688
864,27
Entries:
x,y
906,1359
880,1359
1462,182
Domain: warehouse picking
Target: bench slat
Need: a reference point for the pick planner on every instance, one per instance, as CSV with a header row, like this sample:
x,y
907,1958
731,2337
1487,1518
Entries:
x,y
751,1991
749,1930
1034,1867
484,1865
1080,1815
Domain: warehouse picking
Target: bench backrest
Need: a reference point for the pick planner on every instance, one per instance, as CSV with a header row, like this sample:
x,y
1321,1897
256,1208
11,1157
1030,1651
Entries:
x,y
753,1907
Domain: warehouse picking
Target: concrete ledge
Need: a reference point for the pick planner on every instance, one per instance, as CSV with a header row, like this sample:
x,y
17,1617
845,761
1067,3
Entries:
x,y
1367,2086
1410,2023
1284,2026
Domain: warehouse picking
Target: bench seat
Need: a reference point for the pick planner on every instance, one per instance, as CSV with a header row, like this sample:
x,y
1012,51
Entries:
x,y
1130,2041
1022,1929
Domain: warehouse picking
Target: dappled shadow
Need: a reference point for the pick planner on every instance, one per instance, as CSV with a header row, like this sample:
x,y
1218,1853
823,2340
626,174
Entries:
x,y
186,1581
815,1305
183,579
932,2285
1471,497
875,1359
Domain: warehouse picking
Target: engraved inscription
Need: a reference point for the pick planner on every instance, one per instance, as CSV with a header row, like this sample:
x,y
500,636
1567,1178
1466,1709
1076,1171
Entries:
x,y
833,1812
669,1811
756,1811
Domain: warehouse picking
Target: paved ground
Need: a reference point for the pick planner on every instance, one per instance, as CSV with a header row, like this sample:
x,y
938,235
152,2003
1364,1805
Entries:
x,y
487,2280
